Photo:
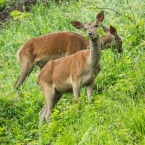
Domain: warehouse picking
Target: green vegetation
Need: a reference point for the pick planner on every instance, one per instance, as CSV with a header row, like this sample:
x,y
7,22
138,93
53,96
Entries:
x,y
117,114
8,3
2,5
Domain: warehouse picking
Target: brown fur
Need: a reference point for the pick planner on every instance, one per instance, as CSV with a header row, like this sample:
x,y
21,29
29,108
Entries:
x,y
111,40
38,51
72,72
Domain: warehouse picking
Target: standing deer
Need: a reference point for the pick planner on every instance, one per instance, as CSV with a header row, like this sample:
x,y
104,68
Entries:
x,y
38,51
72,72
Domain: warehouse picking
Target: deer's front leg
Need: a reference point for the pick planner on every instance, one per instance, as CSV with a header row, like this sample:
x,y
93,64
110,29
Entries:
x,y
76,90
90,88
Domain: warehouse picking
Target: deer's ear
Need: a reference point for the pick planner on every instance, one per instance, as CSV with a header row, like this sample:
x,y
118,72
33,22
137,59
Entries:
x,y
105,29
100,17
113,30
77,24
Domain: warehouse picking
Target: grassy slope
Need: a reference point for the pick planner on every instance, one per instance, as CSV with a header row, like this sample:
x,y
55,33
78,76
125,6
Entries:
x,y
117,115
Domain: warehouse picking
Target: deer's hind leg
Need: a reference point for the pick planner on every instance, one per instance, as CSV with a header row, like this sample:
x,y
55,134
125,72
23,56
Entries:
x,y
51,97
26,68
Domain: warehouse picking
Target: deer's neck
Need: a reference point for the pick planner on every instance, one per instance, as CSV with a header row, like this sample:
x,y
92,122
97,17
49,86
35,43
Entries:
x,y
106,41
95,48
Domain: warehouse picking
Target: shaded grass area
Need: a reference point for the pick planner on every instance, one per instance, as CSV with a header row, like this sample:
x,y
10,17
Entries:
x,y
117,113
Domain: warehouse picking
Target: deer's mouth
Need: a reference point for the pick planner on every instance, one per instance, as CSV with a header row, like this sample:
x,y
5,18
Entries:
x,y
93,36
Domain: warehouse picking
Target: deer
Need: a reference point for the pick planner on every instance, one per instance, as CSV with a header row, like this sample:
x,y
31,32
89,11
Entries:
x,y
38,51
71,73
111,40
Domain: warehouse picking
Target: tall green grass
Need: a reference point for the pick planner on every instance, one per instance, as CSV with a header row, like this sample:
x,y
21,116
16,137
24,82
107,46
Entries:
x,y
117,113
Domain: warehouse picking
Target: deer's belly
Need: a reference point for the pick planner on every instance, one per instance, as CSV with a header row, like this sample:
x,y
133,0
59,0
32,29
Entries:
x,y
63,86
42,60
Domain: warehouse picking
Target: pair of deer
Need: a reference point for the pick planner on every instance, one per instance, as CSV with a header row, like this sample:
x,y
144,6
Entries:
x,y
79,68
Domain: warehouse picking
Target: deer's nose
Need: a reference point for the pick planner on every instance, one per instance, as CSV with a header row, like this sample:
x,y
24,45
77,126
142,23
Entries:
x,y
89,33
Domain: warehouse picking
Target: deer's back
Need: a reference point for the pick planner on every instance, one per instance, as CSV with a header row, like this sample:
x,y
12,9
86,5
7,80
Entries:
x,y
41,49
56,43
64,71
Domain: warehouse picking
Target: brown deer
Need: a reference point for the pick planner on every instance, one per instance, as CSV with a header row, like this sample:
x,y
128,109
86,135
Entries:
x,y
72,72
38,51
112,39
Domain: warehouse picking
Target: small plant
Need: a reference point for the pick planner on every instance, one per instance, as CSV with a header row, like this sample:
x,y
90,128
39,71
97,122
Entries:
x,y
2,5
19,15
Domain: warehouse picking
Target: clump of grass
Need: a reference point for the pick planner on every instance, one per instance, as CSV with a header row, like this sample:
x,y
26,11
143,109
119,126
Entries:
x,y
116,115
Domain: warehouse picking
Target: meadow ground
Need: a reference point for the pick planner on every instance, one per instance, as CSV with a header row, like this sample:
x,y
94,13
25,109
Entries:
x,y
117,114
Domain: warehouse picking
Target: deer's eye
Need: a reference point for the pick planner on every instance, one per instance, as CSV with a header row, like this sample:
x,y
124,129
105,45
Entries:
x,y
96,25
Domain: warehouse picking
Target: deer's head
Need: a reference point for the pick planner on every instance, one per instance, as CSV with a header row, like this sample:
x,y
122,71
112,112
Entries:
x,y
116,42
90,28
